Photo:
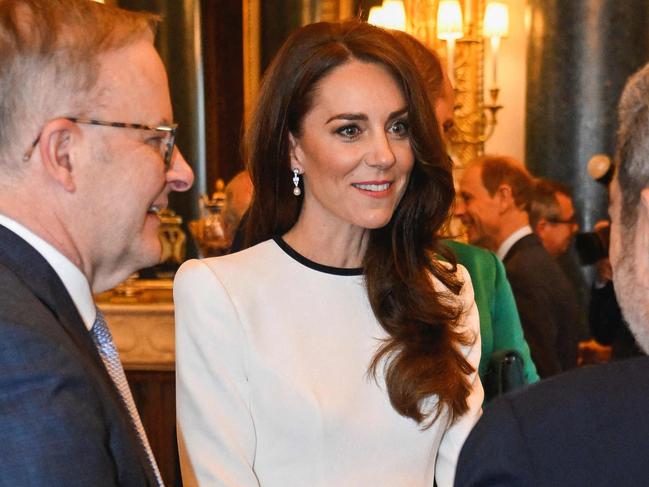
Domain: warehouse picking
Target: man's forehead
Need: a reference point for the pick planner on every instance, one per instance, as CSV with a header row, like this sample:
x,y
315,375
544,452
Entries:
x,y
134,80
472,179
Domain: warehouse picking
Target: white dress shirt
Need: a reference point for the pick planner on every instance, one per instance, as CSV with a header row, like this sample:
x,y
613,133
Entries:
x,y
73,279
511,240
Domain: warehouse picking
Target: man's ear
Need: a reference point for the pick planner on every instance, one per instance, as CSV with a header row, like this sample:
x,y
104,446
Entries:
x,y
504,197
296,153
55,150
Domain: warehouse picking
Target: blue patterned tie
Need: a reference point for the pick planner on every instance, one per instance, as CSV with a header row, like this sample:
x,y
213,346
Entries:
x,y
110,356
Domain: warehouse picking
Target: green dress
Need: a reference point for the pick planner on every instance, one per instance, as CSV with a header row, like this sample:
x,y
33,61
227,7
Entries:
x,y
500,326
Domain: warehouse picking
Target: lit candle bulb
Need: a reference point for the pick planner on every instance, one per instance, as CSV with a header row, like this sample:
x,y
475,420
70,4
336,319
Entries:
x,y
496,26
495,45
449,28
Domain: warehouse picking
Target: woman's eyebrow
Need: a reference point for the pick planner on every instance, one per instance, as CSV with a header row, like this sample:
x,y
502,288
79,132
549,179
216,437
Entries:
x,y
364,117
348,116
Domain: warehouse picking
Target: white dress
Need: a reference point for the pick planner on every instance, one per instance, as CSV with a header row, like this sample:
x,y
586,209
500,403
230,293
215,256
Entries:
x,y
272,383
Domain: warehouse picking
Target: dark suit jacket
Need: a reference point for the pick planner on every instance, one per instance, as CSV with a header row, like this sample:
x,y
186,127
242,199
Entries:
x,y
62,422
546,303
607,324
588,427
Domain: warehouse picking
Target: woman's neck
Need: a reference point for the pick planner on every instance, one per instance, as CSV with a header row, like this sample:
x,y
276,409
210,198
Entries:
x,y
340,246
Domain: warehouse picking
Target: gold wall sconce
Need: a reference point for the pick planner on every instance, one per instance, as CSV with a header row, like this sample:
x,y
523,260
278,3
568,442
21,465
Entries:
x,y
457,30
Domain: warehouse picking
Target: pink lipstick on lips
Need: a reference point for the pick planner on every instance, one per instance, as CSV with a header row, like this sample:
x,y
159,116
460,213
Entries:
x,y
374,189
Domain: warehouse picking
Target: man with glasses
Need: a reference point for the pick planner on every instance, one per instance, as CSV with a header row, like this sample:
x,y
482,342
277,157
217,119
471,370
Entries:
x,y
495,194
553,219
552,216
87,156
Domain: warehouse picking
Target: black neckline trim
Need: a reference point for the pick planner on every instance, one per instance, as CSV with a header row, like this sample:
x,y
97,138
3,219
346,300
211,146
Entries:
x,y
338,271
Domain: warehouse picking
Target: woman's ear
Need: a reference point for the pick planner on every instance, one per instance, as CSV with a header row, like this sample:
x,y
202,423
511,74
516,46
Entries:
x,y
297,155
56,141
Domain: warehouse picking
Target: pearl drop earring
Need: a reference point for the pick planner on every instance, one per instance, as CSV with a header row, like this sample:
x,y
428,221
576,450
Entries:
x,y
296,182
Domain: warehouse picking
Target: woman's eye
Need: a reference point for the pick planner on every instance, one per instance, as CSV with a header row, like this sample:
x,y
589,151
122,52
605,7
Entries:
x,y
349,131
400,128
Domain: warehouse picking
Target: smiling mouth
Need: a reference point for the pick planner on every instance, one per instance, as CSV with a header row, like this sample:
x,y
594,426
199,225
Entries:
x,y
372,187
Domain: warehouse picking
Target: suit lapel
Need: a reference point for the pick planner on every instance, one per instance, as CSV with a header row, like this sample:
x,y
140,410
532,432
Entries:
x,y
36,273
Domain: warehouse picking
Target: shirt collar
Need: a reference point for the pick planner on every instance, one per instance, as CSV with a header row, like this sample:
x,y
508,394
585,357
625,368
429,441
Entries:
x,y
511,240
73,279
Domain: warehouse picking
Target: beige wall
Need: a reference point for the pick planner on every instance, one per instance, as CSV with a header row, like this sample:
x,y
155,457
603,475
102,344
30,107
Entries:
x,y
509,136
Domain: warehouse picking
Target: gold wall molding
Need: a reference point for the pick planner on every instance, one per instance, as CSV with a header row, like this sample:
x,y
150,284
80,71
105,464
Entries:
x,y
467,138
251,55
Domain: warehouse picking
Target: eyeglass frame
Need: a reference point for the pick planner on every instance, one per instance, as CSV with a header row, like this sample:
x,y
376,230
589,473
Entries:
x,y
169,129
557,221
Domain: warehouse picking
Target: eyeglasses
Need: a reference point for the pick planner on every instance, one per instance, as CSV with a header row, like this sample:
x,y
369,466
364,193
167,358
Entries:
x,y
557,221
167,142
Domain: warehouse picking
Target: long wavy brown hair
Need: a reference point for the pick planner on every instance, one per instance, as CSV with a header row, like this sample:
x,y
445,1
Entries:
x,y
421,356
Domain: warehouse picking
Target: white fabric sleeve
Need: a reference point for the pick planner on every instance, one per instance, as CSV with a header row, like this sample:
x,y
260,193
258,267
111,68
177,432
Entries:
x,y
216,433
456,434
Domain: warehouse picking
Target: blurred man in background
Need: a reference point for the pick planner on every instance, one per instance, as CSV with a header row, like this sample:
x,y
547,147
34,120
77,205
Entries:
x,y
553,219
552,216
495,197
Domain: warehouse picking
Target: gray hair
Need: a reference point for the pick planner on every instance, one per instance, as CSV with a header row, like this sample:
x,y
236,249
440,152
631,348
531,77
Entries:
x,y
632,156
49,63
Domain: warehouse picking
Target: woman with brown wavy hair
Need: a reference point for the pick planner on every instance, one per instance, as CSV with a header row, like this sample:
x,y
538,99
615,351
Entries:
x,y
337,349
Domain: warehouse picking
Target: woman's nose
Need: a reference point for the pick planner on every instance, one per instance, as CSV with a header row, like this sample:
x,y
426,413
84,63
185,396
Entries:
x,y
381,153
